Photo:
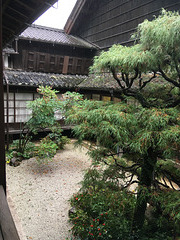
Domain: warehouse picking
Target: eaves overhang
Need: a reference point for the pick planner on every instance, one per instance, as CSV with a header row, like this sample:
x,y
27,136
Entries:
x,y
17,15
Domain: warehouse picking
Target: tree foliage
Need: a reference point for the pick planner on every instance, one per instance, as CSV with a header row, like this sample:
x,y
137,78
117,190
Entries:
x,y
156,54
137,146
43,115
141,142
43,109
129,131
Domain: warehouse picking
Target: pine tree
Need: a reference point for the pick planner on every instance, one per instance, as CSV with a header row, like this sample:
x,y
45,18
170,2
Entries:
x,y
142,140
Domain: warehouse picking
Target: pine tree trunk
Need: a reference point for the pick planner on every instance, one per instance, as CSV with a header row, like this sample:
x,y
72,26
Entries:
x,y
147,172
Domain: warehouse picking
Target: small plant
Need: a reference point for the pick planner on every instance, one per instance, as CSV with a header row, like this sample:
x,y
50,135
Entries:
x,y
28,152
56,136
46,150
9,156
43,116
63,141
70,99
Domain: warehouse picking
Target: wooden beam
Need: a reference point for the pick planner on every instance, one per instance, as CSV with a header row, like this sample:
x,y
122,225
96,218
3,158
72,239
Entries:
x,y
9,29
18,12
24,5
13,18
2,132
5,5
8,228
74,15
65,64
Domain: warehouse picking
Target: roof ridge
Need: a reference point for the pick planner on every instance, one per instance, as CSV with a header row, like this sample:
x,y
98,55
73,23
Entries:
x,y
47,28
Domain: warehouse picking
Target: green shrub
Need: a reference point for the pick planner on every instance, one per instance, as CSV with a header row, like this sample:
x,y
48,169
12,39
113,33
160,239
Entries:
x,y
63,141
29,150
167,202
46,150
56,136
101,210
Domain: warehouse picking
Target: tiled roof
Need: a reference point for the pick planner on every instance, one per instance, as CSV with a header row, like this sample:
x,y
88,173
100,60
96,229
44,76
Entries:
x,y
47,34
107,82
33,79
99,82
19,78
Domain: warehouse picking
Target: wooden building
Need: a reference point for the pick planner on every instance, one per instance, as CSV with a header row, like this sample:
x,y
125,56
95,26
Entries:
x,y
61,58
47,56
44,49
21,86
108,22
41,56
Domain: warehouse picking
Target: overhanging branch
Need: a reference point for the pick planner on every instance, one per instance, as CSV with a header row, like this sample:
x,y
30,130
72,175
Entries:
x,y
168,79
146,82
116,78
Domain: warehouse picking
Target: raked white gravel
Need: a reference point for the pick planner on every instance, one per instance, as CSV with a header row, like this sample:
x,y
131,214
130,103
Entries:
x,y
38,195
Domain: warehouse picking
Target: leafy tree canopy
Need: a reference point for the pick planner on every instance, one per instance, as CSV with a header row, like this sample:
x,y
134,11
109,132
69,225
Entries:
x,y
157,53
126,127
143,140
43,109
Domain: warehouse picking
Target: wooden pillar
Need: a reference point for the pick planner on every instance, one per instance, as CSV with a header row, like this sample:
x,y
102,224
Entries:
x,y
65,65
2,134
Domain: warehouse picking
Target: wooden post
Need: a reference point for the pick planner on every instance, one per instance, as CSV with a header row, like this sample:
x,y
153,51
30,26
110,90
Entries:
x,y
2,134
65,65
8,229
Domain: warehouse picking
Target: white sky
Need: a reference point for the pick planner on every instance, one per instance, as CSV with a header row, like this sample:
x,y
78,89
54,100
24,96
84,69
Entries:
x,y
56,17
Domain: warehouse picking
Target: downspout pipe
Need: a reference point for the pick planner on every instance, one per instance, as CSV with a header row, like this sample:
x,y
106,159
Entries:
x,y
7,111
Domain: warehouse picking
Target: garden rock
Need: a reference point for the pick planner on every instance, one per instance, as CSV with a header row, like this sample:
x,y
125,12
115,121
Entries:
x,y
14,162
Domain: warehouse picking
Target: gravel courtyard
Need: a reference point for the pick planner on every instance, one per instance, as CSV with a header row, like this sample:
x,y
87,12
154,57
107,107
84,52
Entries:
x,y
38,195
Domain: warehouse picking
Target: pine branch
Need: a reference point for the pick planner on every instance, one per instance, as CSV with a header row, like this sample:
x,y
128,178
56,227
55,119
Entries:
x,y
133,78
127,80
131,178
171,178
123,78
137,165
160,183
146,82
171,184
177,69
116,78
173,104
167,78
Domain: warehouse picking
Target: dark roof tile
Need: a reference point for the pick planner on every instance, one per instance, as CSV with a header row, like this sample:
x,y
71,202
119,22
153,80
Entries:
x,y
92,82
47,34
20,78
100,82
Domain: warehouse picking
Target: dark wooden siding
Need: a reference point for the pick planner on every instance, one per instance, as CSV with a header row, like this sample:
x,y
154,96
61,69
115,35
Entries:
x,y
49,58
51,63
107,22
